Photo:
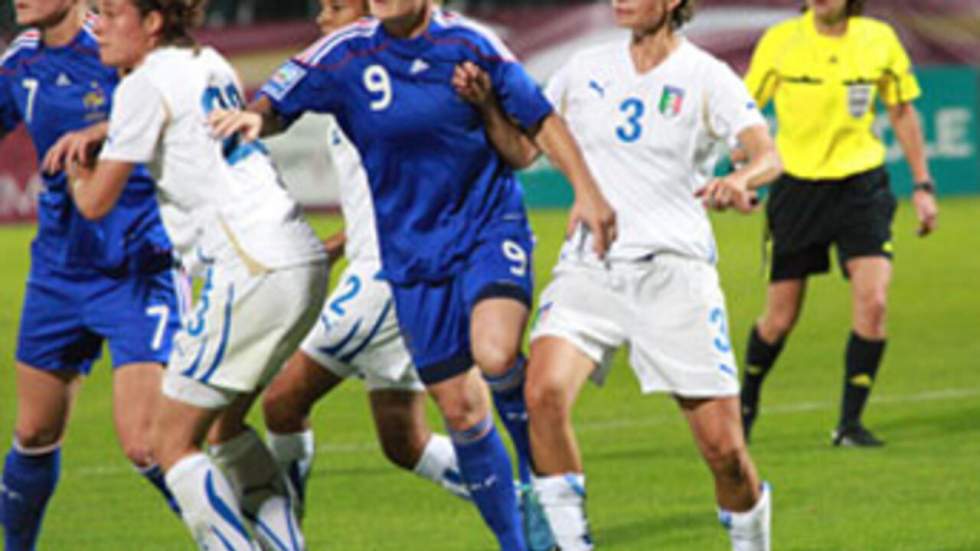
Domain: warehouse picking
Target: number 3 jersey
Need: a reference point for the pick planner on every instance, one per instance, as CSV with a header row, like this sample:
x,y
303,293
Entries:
x,y
53,91
435,181
217,197
651,141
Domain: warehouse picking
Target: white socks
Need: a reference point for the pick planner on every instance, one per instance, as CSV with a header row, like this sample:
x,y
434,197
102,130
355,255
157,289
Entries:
x,y
294,453
208,505
750,531
438,464
563,500
261,488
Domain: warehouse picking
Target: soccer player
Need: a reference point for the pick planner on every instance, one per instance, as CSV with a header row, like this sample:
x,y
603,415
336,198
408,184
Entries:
x,y
107,280
266,272
453,233
824,70
357,335
649,112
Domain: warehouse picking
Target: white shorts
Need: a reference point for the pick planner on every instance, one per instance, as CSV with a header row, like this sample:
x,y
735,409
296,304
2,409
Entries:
x,y
669,311
358,333
241,331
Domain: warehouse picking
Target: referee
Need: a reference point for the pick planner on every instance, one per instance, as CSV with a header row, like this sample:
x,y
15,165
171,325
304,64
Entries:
x,y
824,70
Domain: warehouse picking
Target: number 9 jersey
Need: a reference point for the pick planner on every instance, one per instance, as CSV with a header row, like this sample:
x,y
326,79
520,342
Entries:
x,y
218,199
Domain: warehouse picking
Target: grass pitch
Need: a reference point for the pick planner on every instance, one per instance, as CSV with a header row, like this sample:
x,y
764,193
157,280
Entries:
x,y
647,486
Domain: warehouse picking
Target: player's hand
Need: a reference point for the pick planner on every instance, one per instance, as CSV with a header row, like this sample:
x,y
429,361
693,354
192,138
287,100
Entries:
x,y
473,84
226,123
728,192
74,147
594,212
927,211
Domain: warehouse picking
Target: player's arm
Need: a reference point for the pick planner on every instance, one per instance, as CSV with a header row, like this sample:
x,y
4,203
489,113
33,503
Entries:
x,y
473,84
590,207
9,116
258,120
97,190
78,147
762,165
335,245
139,115
898,89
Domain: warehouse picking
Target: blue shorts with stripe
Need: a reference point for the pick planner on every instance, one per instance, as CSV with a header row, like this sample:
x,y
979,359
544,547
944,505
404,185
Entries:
x,y
67,314
435,316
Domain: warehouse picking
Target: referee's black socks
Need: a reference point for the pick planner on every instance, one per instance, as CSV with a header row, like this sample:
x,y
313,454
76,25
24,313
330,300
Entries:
x,y
758,361
862,361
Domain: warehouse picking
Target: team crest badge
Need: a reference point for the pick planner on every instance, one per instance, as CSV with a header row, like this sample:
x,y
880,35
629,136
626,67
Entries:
x,y
859,99
671,102
95,102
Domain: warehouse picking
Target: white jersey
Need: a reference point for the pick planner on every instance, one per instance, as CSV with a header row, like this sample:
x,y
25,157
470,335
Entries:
x,y
217,198
356,203
651,140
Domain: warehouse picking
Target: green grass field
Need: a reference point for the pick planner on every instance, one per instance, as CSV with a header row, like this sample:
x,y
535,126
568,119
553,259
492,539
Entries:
x,y
648,487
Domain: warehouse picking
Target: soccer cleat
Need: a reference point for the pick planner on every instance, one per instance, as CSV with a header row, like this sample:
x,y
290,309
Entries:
x,y
537,532
855,437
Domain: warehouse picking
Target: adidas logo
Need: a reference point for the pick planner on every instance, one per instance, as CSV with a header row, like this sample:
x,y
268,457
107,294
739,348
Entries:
x,y
63,80
419,66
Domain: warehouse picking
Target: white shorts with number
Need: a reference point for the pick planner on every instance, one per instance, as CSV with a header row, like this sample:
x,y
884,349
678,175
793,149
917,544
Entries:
x,y
669,311
358,334
242,330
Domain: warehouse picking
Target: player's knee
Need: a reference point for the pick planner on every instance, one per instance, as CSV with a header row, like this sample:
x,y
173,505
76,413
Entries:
x,y
727,461
30,438
873,306
548,400
494,357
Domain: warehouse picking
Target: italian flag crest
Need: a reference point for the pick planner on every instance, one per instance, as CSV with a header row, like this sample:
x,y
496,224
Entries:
x,y
671,101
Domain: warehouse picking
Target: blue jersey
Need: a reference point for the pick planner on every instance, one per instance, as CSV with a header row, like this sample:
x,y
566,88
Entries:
x,y
54,91
435,180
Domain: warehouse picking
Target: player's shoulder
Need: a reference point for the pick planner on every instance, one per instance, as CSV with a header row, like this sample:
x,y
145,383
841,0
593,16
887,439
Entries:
x,y
350,39
468,32
871,28
26,44
597,56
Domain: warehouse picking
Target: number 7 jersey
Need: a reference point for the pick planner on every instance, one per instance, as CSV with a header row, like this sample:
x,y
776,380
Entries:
x,y
218,198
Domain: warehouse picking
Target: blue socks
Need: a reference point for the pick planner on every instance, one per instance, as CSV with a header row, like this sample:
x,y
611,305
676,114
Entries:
x,y
508,397
486,468
154,475
28,482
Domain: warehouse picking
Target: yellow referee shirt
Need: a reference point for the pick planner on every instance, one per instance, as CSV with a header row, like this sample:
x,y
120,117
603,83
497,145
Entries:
x,y
825,89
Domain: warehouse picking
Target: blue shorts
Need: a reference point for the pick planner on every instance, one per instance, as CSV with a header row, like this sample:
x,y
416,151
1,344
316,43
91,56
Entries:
x,y
434,317
67,315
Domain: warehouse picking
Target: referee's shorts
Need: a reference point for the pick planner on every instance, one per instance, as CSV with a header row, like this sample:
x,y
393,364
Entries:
x,y
805,217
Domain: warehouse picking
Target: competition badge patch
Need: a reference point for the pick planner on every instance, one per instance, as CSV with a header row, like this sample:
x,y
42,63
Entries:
x,y
284,80
671,102
858,98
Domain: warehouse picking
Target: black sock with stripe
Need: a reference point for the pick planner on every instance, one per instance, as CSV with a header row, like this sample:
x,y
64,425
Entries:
x,y
863,358
759,360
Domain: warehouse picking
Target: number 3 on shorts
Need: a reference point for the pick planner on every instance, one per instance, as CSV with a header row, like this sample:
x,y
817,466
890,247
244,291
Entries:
x,y
516,254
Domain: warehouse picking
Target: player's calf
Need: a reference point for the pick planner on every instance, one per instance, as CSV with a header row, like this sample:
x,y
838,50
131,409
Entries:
x,y
29,478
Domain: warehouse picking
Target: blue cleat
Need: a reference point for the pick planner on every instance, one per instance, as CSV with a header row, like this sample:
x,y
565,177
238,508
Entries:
x,y
537,531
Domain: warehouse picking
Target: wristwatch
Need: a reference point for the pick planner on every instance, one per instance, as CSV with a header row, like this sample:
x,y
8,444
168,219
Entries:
x,y
926,186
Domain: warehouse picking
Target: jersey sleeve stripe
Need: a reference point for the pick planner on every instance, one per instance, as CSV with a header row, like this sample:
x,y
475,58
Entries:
x,y
315,53
26,40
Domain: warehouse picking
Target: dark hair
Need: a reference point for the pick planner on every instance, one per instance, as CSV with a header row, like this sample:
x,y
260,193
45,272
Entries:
x,y
179,17
682,14
853,8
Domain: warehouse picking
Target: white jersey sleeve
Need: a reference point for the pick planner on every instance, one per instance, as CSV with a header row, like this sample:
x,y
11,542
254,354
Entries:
x,y
138,117
730,107
557,89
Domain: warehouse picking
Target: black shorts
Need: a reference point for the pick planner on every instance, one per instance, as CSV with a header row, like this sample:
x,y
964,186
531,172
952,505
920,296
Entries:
x,y
806,216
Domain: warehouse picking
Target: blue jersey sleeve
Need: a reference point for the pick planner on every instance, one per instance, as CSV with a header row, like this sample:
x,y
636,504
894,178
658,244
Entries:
x,y
9,115
519,95
297,88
